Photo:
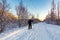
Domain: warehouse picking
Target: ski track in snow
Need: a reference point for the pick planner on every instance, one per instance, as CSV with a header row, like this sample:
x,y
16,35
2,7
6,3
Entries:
x,y
40,31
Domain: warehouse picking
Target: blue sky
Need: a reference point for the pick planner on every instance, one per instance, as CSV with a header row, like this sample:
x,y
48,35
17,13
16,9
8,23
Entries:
x,y
35,7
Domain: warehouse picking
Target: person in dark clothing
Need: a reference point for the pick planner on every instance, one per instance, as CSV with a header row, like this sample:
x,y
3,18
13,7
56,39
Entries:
x,y
30,23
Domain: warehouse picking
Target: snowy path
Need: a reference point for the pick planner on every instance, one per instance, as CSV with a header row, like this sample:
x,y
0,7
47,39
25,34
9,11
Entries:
x,y
40,31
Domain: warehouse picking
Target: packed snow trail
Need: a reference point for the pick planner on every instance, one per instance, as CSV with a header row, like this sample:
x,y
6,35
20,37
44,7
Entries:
x,y
40,31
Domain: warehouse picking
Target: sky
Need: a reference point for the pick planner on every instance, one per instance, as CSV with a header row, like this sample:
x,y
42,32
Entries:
x,y
35,7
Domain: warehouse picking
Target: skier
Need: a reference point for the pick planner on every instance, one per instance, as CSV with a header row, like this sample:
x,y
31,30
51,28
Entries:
x,y
30,23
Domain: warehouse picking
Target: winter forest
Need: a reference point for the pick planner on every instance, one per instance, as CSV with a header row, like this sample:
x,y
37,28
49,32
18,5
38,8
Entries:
x,y
22,20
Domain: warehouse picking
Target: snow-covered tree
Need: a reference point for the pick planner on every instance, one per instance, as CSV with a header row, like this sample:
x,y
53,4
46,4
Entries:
x,y
3,8
21,12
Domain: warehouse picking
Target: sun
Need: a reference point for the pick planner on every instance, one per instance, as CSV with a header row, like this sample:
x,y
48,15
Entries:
x,y
16,16
41,18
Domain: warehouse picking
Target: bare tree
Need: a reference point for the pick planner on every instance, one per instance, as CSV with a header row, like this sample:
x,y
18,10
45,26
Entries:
x,y
21,12
58,14
2,16
53,11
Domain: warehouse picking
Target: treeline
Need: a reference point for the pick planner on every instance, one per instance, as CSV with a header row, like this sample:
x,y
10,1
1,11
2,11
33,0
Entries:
x,y
8,20
5,16
23,15
53,16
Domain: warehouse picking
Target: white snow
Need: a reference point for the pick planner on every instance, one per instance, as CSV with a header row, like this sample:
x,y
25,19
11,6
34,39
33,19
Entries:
x,y
40,31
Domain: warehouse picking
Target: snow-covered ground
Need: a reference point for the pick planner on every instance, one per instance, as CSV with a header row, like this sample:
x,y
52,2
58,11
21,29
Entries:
x,y
40,31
